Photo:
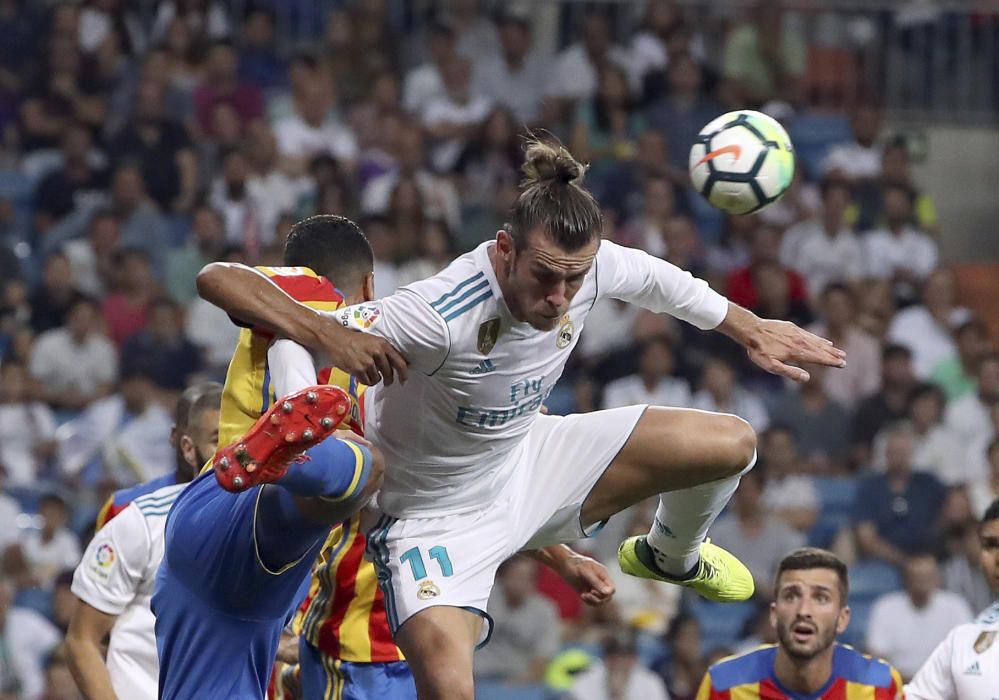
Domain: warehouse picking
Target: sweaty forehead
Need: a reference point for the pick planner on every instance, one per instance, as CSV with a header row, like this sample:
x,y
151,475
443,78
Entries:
x,y
558,260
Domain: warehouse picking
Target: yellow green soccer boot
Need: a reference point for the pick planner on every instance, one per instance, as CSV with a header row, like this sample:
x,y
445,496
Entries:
x,y
720,576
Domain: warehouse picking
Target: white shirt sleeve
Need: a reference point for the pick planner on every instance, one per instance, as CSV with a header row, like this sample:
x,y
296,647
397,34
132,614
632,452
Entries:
x,y
292,367
408,322
934,681
111,570
634,276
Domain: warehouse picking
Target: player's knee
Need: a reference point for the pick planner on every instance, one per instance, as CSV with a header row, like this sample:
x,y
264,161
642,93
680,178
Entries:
x,y
739,440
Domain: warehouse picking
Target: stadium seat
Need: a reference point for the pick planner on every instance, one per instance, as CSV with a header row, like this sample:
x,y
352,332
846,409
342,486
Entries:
x,y
36,599
871,579
499,691
860,613
837,495
721,624
814,133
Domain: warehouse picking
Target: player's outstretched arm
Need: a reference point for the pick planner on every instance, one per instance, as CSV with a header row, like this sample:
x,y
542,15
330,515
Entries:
x,y
87,629
587,576
772,344
248,295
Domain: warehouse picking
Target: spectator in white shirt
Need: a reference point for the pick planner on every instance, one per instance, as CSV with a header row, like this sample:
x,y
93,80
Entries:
x,y
859,159
26,639
862,376
455,116
27,428
517,76
824,249
900,252
314,130
789,492
969,415
654,383
619,675
938,449
905,626
250,216
53,548
928,328
75,364
720,393
426,81
575,75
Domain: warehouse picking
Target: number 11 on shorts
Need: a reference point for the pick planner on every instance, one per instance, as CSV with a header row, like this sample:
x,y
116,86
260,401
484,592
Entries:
x,y
414,558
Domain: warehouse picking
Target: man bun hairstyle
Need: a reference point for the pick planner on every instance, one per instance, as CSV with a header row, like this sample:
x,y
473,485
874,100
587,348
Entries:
x,y
552,197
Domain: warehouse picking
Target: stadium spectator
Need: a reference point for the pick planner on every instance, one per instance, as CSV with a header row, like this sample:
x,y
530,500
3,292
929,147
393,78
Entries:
x,y
26,640
124,437
985,489
53,548
821,426
475,33
250,218
720,392
75,363
51,302
525,629
27,427
859,159
899,252
63,600
205,245
654,383
956,374
259,63
905,626
682,249
489,161
682,670
862,375
750,531
969,415
789,492
575,74
77,179
895,170
606,125
169,357
927,329
824,249
223,84
455,116
764,247
938,448
313,128
647,230
142,225
897,511
426,81
515,77
888,405
764,58
685,108
962,568
126,308
620,674
92,259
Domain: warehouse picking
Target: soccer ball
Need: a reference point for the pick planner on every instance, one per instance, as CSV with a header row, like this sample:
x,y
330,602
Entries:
x,y
742,162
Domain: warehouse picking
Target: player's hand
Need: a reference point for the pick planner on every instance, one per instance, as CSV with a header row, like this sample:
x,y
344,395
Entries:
x,y
287,651
775,344
370,358
589,578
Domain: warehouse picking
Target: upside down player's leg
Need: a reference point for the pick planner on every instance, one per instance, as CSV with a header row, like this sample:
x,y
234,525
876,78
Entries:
x,y
234,568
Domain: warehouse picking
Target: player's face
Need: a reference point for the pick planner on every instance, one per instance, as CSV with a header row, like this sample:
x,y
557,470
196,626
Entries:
x,y
542,279
989,537
201,440
808,612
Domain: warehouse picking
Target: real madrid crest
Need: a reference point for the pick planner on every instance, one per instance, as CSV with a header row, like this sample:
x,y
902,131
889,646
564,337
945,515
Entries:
x,y
488,333
984,641
427,590
565,332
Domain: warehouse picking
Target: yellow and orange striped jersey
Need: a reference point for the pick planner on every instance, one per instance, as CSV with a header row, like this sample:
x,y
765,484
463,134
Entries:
x,y
751,676
344,614
248,391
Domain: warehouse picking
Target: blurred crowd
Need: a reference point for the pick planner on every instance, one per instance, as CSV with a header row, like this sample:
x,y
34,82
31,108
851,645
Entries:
x,y
138,147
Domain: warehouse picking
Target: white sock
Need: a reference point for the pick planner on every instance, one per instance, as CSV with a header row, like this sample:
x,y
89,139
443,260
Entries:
x,y
682,521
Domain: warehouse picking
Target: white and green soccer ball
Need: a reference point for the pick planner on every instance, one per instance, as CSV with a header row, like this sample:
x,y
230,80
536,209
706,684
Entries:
x,y
742,162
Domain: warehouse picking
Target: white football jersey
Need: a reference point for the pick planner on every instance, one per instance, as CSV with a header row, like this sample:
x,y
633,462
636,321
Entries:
x,y
478,377
964,666
117,576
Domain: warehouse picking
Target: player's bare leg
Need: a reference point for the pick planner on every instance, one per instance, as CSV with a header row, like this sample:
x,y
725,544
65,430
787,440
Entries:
x,y
438,643
693,460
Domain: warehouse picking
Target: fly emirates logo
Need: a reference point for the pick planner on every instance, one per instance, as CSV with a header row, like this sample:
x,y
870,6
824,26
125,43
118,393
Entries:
x,y
526,397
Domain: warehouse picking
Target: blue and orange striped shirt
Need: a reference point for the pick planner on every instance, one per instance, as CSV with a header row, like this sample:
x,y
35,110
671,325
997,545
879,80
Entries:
x,y
751,676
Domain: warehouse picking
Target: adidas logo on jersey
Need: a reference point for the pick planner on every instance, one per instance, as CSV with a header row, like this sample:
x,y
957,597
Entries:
x,y
484,367
973,670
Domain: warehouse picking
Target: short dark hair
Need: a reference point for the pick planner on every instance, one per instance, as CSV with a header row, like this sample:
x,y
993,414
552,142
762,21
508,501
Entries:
x,y
834,287
991,513
893,351
196,399
972,325
831,182
332,246
927,389
807,558
552,197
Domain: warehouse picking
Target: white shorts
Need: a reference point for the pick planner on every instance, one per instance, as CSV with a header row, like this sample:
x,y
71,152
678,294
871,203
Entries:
x,y
452,560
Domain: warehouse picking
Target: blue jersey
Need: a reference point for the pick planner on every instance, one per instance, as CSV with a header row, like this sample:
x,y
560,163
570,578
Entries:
x,y
219,608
